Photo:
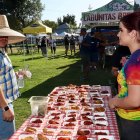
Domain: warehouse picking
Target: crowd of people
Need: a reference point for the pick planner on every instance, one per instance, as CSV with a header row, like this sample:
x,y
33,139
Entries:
x,y
70,43
44,43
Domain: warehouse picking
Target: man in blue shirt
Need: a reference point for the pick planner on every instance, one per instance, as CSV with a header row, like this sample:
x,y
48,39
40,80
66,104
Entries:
x,y
89,52
84,53
94,43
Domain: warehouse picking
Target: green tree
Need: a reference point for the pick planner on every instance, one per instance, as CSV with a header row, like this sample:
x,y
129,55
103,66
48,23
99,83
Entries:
x,y
59,21
21,13
70,19
50,24
136,7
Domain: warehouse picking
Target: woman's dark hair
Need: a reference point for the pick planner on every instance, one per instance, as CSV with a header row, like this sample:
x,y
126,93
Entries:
x,y
132,21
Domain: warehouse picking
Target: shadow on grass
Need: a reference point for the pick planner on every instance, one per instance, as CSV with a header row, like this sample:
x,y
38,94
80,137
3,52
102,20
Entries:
x,y
34,57
70,76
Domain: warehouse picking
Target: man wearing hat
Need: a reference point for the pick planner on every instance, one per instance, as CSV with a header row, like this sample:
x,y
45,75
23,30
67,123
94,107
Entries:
x,y
8,83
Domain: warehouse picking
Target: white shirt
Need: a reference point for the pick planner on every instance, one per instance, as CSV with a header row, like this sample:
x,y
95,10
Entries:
x,y
80,39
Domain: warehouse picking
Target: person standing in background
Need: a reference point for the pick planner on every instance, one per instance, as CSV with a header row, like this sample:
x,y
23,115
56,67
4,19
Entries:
x,y
44,46
84,53
66,43
10,47
94,51
72,44
52,43
120,52
127,102
89,52
38,42
80,39
8,83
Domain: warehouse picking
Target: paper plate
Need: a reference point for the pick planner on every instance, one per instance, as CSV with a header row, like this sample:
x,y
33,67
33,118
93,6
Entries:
x,y
107,137
23,136
101,132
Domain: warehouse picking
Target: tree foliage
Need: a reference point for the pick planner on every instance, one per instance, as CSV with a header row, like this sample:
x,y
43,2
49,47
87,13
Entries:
x,y
50,24
70,19
21,13
59,21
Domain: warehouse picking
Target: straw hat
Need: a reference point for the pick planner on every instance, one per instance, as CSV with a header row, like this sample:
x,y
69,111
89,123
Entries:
x,y
13,36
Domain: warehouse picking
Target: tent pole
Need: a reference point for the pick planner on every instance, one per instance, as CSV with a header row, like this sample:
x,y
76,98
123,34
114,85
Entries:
x,y
24,52
32,47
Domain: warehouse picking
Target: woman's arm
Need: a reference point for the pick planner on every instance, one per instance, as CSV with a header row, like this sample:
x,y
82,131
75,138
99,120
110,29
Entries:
x,y
130,102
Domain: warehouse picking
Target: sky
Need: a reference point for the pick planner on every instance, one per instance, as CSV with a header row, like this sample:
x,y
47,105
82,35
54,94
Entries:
x,y
55,9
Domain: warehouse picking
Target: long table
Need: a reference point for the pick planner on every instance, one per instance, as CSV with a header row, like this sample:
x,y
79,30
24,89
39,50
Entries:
x,y
77,101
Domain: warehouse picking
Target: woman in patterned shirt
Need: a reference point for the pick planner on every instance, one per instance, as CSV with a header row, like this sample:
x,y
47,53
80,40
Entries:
x,y
127,102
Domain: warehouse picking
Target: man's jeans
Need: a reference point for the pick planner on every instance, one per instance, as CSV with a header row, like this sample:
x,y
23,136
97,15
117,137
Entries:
x,y
6,128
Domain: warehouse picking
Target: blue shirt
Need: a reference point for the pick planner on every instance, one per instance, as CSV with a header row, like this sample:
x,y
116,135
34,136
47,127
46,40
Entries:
x,y
84,50
94,42
89,45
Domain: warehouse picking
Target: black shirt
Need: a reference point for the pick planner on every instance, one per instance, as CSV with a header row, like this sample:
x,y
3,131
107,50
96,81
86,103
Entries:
x,y
120,52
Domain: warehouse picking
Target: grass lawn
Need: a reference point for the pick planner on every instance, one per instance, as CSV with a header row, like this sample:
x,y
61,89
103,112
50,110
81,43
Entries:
x,y
49,73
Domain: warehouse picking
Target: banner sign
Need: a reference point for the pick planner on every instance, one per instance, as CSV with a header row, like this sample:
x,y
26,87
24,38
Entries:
x,y
99,17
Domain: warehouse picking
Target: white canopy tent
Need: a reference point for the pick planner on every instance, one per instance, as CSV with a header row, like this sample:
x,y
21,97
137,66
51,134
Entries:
x,y
63,34
55,34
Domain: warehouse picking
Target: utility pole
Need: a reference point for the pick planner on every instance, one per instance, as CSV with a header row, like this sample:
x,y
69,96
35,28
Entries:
x,y
90,7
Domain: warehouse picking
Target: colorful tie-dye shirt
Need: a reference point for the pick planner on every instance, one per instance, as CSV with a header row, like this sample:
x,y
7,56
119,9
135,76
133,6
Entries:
x,y
129,75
